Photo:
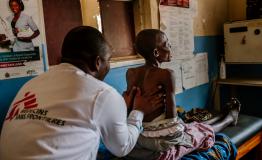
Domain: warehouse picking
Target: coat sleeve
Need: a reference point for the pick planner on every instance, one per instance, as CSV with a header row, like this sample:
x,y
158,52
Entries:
x,y
118,132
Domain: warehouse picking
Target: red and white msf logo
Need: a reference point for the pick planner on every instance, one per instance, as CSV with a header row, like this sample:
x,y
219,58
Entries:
x,y
28,102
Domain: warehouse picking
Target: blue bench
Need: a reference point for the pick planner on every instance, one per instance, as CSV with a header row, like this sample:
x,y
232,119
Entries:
x,y
246,135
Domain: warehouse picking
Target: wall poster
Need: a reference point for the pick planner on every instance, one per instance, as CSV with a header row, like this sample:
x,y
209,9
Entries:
x,y
178,3
22,39
177,23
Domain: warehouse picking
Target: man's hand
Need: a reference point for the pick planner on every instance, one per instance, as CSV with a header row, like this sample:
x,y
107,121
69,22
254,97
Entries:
x,y
129,97
149,103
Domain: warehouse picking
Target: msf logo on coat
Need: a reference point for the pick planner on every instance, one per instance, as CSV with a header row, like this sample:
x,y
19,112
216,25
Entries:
x,y
28,102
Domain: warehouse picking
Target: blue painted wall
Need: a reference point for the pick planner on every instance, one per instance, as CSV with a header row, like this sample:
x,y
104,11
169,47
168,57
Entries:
x,y
195,97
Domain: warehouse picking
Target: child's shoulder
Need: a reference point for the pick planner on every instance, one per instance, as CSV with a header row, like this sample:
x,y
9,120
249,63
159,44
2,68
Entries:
x,y
131,70
165,71
160,71
134,70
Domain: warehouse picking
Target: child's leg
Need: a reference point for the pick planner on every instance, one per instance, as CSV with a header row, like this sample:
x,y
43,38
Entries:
x,y
231,118
214,119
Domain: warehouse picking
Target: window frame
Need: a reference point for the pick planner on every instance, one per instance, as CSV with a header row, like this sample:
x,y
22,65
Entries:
x,y
146,15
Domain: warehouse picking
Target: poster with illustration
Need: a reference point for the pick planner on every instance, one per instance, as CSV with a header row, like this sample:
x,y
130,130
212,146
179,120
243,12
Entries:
x,y
22,38
177,3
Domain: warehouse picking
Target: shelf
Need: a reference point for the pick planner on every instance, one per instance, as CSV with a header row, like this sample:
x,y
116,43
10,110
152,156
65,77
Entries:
x,y
243,63
241,82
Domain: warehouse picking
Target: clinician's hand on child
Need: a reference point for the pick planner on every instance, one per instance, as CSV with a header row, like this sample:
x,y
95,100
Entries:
x,y
147,103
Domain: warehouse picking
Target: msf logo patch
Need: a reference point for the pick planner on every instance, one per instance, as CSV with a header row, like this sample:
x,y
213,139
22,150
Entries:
x,y
28,102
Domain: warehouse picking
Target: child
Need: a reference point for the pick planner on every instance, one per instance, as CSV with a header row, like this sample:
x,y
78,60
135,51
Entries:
x,y
155,48
162,128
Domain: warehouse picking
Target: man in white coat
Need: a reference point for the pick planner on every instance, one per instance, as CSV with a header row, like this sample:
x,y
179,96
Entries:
x,y
64,113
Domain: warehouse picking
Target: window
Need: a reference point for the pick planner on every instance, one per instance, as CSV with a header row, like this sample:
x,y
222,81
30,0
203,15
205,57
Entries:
x,y
60,16
118,26
121,20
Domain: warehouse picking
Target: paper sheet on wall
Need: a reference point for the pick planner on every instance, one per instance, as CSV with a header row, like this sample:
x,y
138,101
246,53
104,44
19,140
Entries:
x,y
177,23
189,74
195,71
201,62
176,67
179,30
193,7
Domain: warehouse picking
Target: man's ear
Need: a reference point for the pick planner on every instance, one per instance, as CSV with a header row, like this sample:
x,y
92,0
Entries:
x,y
98,63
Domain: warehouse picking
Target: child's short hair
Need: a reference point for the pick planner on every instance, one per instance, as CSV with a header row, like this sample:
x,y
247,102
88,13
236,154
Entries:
x,y
146,42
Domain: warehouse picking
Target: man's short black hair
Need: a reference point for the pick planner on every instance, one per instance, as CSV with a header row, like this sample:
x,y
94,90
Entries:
x,y
19,2
83,44
146,42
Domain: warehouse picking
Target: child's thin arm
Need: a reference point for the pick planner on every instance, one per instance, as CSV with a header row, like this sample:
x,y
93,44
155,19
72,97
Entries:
x,y
170,94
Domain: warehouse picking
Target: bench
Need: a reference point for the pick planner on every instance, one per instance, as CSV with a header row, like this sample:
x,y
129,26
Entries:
x,y
246,135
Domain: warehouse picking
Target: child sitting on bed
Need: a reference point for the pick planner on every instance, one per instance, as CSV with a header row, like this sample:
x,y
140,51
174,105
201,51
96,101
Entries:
x,y
163,130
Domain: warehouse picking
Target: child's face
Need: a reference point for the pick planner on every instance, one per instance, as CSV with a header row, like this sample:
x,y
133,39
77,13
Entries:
x,y
163,48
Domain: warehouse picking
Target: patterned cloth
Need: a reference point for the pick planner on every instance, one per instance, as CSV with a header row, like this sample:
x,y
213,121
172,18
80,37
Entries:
x,y
161,127
203,139
196,114
223,149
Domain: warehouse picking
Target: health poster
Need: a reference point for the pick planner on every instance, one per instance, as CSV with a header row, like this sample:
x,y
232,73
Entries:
x,y
22,39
